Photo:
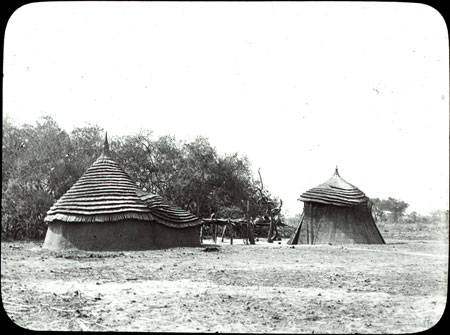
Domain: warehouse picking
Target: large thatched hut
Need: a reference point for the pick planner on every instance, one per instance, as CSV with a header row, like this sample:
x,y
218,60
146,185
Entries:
x,y
336,212
104,210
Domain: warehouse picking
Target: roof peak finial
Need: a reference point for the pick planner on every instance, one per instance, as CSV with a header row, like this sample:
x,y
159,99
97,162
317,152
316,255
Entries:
x,y
105,152
336,172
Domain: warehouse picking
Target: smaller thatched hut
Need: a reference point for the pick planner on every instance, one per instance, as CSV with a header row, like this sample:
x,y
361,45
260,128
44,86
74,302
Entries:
x,y
336,212
104,210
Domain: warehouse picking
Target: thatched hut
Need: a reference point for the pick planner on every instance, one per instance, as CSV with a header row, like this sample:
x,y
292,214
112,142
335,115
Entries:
x,y
104,210
336,212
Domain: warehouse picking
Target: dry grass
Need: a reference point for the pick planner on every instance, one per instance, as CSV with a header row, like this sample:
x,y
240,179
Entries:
x,y
414,231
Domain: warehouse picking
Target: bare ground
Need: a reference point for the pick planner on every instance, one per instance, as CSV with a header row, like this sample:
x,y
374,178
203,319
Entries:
x,y
394,288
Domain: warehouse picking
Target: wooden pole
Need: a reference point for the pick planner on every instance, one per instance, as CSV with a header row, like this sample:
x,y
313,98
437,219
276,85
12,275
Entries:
x,y
275,229
251,238
201,233
270,237
214,232
246,232
311,222
231,231
223,232
307,232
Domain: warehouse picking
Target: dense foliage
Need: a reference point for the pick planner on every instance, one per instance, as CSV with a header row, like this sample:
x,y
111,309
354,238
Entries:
x,y
389,208
41,162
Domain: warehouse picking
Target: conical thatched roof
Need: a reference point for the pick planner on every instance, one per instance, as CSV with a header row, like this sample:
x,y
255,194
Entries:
x,y
335,191
103,193
167,214
106,193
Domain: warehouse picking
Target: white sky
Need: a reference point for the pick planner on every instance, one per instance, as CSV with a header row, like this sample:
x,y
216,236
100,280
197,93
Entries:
x,y
297,87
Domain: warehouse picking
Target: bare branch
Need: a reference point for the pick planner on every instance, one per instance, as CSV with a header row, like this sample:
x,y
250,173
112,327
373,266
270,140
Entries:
x,y
260,178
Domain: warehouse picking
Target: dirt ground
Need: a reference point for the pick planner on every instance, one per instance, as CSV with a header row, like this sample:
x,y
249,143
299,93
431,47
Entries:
x,y
394,288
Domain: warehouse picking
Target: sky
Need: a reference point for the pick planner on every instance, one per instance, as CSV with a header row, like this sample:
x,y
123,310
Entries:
x,y
297,87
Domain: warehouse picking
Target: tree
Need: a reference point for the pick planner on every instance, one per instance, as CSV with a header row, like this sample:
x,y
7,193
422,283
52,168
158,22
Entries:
x,y
152,163
189,174
232,184
36,169
439,216
196,179
396,207
390,207
85,146
271,211
13,144
135,153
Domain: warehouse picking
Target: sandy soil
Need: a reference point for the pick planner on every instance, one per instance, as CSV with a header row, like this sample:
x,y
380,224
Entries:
x,y
395,288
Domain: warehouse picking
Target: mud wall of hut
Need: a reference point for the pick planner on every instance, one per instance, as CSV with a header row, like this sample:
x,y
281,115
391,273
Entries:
x,y
121,235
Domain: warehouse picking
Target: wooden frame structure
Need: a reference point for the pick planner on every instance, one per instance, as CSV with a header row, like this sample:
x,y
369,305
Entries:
x,y
228,224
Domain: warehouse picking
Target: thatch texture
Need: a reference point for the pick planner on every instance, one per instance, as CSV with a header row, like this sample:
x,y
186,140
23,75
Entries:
x,y
336,212
167,214
104,193
335,191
